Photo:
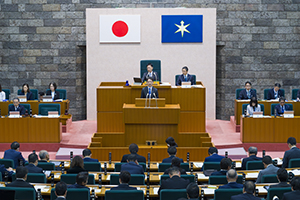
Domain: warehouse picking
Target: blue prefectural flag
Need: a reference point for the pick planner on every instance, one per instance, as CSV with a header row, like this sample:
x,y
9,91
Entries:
x,y
181,28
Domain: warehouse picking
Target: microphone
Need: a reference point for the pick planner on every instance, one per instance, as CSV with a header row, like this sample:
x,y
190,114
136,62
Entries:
x,y
155,76
146,100
155,99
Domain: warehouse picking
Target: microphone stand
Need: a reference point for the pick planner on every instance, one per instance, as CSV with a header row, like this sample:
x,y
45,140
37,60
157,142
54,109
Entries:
x,y
146,100
155,99
150,100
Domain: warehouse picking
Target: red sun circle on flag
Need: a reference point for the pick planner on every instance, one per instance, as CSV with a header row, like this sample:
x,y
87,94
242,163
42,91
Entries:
x,y
120,29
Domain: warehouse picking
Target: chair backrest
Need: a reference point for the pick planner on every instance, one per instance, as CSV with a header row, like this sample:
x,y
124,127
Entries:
x,y
211,165
270,178
171,194
92,166
244,107
277,192
44,108
71,178
221,194
191,178
36,178
46,165
136,179
251,165
22,193
7,163
237,92
7,93
156,67
73,193
0,176
262,108
218,180
294,94
35,93
177,76
124,194
118,166
26,106
62,93
295,162
7,194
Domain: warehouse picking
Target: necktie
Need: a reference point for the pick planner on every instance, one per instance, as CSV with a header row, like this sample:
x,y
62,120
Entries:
x,y
149,92
282,110
185,78
248,94
150,74
16,108
276,94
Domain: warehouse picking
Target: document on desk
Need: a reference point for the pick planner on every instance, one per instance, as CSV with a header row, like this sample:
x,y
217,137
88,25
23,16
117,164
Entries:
x,y
202,176
252,175
208,191
198,164
279,161
155,190
238,165
261,189
296,172
42,187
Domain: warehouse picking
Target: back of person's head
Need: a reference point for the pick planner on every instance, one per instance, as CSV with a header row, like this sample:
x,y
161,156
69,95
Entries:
x,y
170,141
21,172
32,158
267,160
176,162
133,148
212,150
86,152
252,150
249,187
225,163
125,176
192,190
15,145
82,177
172,151
282,175
292,141
131,158
231,174
77,162
43,154
61,188
295,183
174,170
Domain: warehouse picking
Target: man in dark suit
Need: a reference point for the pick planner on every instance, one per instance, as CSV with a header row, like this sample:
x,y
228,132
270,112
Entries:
x,y
269,168
248,192
231,176
252,151
149,91
14,154
192,191
149,74
282,177
133,149
44,156
281,107
21,176
185,77
294,152
61,190
4,170
247,93
225,165
295,194
124,178
33,162
16,107
132,166
81,181
175,163
172,153
213,155
174,182
275,92
86,153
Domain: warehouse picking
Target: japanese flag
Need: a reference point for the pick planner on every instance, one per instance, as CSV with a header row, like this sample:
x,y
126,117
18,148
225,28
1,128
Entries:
x,y
120,28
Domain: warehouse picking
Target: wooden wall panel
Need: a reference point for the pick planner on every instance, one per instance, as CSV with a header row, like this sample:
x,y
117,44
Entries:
x,y
14,130
44,130
111,139
285,128
190,99
192,122
110,122
192,139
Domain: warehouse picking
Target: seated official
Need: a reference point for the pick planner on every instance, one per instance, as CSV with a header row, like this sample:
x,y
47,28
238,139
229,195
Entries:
x,y
281,107
294,152
4,170
269,168
61,190
26,91
33,162
76,166
21,176
14,154
81,181
86,153
44,156
252,151
185,77
149,74
282,176
275,92
247,93
133,149
174,182
2,94
149,91
171,142
253,106
225,165
172,154
124,178
295,194
231,176
192,191
52,91
132,166
16,107
175,163
213,155
248,192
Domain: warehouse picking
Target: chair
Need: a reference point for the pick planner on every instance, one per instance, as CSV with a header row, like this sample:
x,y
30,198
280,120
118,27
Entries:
x,y
211,165
44,108
124,195
266,91
71,178
92,166
294,94
274,104
177,76
7,93
46,165
262,107
251,165
36,178
26,106
277,192
163,166
270,178
62,93
118,166
295,162
35,93
0,176
171,194
7,194
219,180
136,179
224,194
7,163
21,193
73,193
156,67
191,178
